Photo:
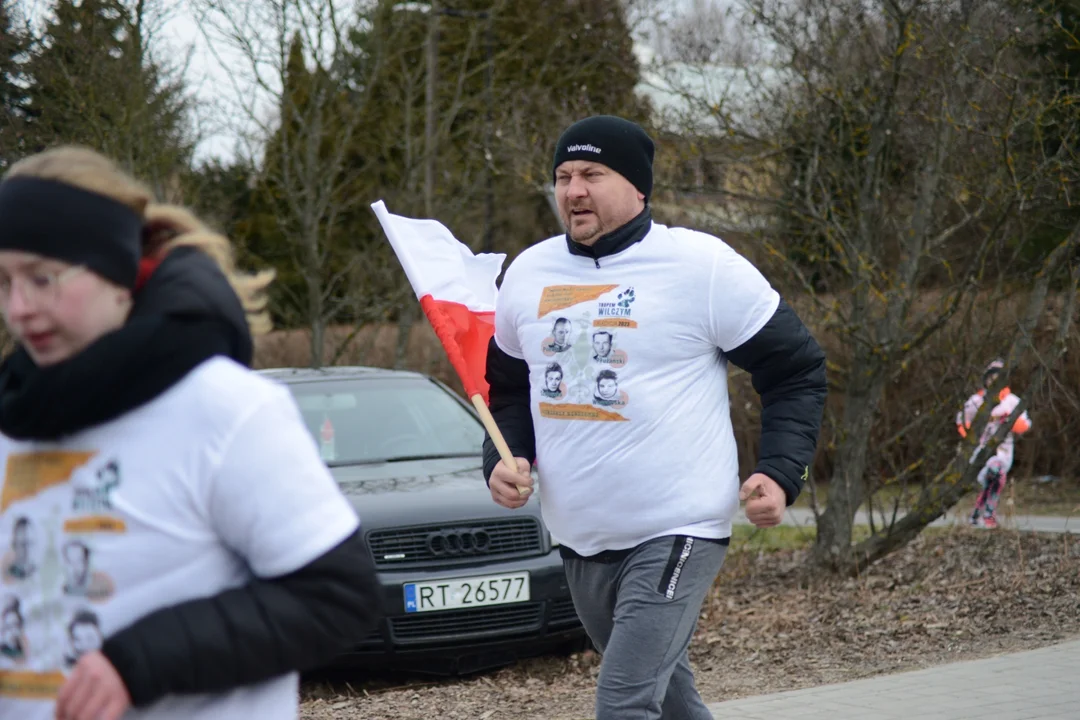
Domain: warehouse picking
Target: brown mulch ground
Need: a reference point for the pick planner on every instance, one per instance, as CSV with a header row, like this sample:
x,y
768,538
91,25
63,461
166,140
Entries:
x,y
954,595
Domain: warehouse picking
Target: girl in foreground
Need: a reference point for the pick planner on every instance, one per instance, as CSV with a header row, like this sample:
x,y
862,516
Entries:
x,y
178,550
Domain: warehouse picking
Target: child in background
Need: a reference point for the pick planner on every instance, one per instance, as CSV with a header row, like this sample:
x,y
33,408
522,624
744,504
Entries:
x,y
993,474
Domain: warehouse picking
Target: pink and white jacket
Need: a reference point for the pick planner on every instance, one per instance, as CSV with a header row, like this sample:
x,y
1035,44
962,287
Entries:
x,y
1007,402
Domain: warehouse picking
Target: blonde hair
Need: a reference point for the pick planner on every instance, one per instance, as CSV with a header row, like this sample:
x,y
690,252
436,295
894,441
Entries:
x,y
165,226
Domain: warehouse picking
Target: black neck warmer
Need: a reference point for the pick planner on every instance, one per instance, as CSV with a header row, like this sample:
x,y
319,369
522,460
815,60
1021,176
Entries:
x,y
615,241
185,314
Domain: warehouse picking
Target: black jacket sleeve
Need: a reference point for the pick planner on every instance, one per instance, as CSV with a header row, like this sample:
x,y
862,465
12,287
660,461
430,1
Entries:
x,y
269,627
508,400
787,368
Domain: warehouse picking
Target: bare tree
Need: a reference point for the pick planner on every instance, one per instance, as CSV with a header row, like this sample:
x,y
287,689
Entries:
x,y
288,61
892,145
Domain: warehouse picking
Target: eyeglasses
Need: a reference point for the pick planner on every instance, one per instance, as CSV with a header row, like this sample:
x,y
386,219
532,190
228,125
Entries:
x,y
39,288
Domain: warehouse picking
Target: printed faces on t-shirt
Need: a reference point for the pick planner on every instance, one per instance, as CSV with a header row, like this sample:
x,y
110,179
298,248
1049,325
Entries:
x,y
57,508
584,378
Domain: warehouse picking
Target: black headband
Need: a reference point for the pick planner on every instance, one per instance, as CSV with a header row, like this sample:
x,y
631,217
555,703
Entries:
x,y
62,222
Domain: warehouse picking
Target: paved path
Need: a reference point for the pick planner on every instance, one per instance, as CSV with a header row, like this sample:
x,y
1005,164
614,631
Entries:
x,y
804,516
1040,684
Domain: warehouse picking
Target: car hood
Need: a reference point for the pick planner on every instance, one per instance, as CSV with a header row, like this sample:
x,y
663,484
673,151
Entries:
x,y
419,492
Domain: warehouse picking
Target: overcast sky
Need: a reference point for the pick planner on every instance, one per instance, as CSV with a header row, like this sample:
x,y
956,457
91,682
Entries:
x,y
212,85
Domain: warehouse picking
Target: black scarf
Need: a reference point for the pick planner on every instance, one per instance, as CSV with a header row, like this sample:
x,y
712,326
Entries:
x,y
186,314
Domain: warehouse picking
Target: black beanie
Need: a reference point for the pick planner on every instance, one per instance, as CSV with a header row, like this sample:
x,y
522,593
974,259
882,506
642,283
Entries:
x,y
619,144
63,222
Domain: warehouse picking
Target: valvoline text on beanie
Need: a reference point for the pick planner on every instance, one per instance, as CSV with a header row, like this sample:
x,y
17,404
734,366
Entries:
x,y
619,144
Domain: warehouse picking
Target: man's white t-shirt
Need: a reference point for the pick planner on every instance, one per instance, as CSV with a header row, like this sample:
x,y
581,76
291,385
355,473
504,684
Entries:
x,y
628,380
214,481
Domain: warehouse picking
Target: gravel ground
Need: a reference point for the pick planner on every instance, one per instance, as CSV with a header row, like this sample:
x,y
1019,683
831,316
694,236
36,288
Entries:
x,y
768,627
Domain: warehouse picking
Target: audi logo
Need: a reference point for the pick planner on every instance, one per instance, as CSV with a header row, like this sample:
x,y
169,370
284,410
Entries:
x,y
466,541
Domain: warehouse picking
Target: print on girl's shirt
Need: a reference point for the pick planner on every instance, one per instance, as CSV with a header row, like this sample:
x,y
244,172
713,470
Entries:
x,y
50,554
83,635
92,500
93,491
28,474
13,643
80,580
26,685
19,562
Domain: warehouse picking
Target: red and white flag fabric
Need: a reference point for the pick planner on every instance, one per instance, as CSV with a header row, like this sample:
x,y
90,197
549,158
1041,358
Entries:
x,y
456,290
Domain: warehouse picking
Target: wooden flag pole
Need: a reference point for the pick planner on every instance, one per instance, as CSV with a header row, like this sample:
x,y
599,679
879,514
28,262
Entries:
x,y
497,438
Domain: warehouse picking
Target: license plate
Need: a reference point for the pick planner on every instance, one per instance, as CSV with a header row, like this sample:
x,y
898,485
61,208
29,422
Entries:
x,y
457,593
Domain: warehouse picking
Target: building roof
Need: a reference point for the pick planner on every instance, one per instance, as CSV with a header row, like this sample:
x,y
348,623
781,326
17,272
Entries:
x,y
685,92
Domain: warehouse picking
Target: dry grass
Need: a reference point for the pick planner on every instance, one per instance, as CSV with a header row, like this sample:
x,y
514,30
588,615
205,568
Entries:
x,y
372,345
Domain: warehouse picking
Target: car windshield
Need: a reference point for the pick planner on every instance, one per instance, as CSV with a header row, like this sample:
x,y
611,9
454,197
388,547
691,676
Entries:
x,y
377,420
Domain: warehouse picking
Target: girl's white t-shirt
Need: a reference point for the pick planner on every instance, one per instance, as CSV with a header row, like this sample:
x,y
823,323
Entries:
x,y
215,481
628,378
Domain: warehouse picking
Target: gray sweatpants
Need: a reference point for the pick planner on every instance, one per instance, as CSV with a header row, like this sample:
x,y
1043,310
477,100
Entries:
x,y
640,610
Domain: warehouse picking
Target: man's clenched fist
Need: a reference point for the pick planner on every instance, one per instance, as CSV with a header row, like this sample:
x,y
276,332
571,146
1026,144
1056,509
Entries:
x,y
765,500
510,488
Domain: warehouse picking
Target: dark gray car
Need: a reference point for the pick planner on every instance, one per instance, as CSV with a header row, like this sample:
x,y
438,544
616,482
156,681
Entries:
x,y
467,584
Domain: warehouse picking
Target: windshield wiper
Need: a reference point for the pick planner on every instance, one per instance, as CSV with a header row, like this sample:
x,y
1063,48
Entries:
x,y
402,458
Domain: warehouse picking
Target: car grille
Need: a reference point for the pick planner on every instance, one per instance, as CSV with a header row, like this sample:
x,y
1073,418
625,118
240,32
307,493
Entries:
x,y
409,546
563,612
478,622
374,639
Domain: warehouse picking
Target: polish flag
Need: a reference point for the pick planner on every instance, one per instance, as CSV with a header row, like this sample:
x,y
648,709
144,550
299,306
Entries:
x,y
456,290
